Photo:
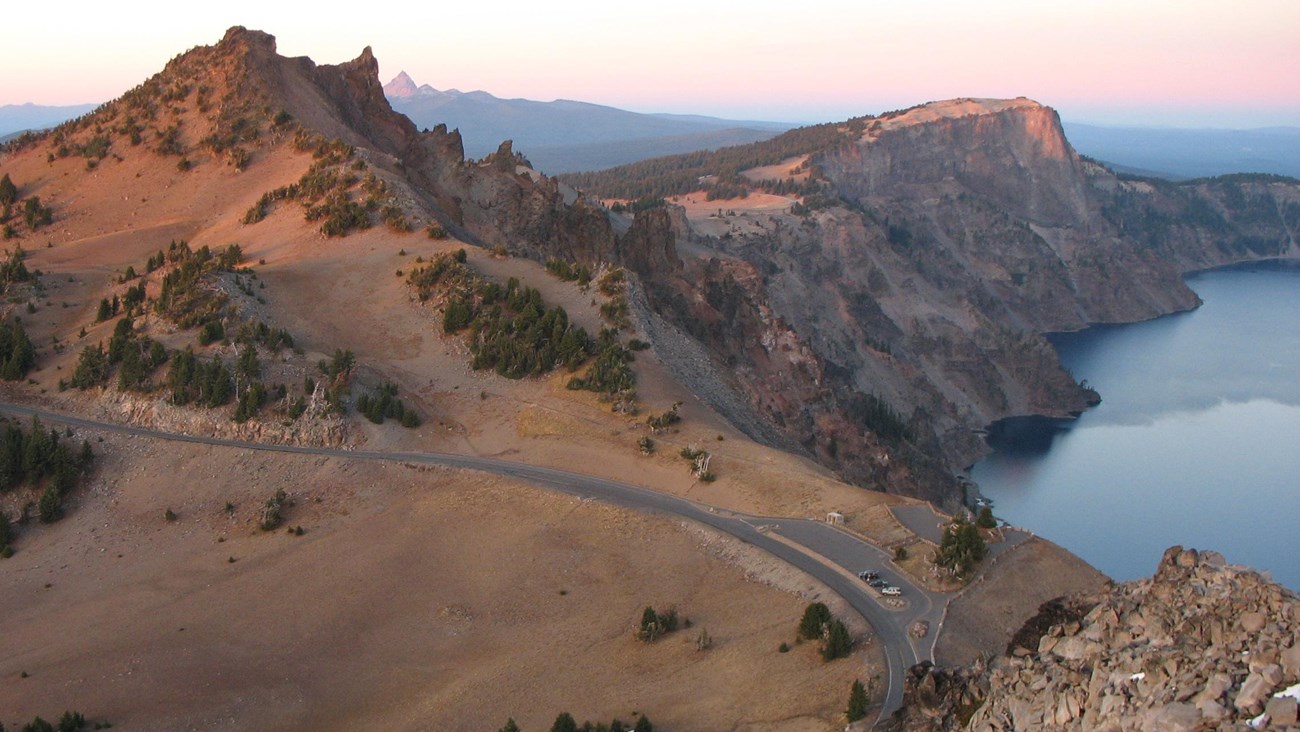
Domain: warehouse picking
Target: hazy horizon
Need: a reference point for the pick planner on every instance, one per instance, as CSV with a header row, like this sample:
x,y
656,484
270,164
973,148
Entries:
x,y
1175,63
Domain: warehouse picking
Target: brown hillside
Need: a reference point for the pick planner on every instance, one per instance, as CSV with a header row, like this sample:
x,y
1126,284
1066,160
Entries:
x,y
413,596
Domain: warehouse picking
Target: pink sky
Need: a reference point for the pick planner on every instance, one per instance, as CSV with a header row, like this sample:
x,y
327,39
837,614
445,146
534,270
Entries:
x,y
1173,62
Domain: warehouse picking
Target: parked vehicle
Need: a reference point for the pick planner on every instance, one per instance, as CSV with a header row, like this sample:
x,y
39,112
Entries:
x,y
877,583
890,590
867,575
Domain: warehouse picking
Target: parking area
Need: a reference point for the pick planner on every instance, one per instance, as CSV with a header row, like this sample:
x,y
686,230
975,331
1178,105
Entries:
x,y
921,520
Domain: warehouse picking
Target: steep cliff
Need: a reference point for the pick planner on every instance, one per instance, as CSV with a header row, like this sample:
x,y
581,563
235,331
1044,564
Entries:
x,y
914,262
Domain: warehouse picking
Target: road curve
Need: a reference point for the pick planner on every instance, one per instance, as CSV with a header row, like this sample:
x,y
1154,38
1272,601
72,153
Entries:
x,y
890,626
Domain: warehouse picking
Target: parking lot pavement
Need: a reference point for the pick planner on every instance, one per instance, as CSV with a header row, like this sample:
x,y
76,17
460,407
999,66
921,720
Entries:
x,y
921,520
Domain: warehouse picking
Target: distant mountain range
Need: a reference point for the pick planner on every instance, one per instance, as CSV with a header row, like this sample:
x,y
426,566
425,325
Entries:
x,y
16,119
564,136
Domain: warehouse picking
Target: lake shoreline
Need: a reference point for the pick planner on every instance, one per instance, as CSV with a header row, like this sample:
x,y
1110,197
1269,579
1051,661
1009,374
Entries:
x,y
1238,395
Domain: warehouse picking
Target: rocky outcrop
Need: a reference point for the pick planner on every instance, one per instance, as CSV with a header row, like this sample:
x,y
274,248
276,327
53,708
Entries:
x,y
649,245
1202,645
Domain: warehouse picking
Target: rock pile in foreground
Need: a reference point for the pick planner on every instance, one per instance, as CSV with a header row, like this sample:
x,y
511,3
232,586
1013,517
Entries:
x,y
1202,645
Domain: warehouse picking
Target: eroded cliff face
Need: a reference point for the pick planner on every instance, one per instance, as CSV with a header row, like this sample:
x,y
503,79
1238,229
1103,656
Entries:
x,y
959,233
1201,645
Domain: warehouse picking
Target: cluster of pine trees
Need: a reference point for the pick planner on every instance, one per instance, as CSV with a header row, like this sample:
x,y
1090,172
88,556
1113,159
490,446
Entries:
x,y
610,372
511,330
324,191
183,298
34,213
566,723
961,547
36,457
819,624
69,722
17,355
136,357
568,271
876,415
386,405
13,270
202,383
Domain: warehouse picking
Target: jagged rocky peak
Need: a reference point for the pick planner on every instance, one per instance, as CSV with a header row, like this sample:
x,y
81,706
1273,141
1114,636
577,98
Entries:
x,y
240,38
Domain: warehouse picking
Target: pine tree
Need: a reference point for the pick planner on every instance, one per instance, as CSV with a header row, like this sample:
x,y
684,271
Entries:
x,y
838,641
50,507
8,191
510,726
858,702
643,725
564,723
815,618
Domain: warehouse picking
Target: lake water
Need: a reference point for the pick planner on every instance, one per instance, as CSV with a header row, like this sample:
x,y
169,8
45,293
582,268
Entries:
x,y
1196,441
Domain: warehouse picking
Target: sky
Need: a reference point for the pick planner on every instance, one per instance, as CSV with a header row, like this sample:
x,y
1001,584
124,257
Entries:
x,y
1178,63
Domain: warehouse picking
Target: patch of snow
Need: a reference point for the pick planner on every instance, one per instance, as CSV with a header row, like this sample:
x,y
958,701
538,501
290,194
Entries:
x,y
1138,676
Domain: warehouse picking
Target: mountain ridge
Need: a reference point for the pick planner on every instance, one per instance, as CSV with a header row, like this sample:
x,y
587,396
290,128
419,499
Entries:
x,y
544,131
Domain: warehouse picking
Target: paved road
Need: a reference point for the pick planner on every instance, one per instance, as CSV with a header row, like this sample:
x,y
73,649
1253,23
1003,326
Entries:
x,y
845,550
855,555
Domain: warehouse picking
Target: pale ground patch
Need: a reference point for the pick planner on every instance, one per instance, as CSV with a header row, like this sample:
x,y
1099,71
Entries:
x,y
780,171
753,214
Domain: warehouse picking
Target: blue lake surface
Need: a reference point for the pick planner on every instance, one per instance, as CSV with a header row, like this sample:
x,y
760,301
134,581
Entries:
x,y
1196,441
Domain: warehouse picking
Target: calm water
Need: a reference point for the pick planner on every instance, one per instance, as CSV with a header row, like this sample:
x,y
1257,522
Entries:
x,y
1196,441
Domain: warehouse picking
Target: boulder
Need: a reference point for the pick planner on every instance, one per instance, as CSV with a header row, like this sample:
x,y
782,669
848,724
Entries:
x,y
1252,622
1174,717
1291,662
1281,710
1254,690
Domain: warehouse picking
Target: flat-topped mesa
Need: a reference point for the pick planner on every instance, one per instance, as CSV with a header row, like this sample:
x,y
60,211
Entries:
x,y
1012,152
953,109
